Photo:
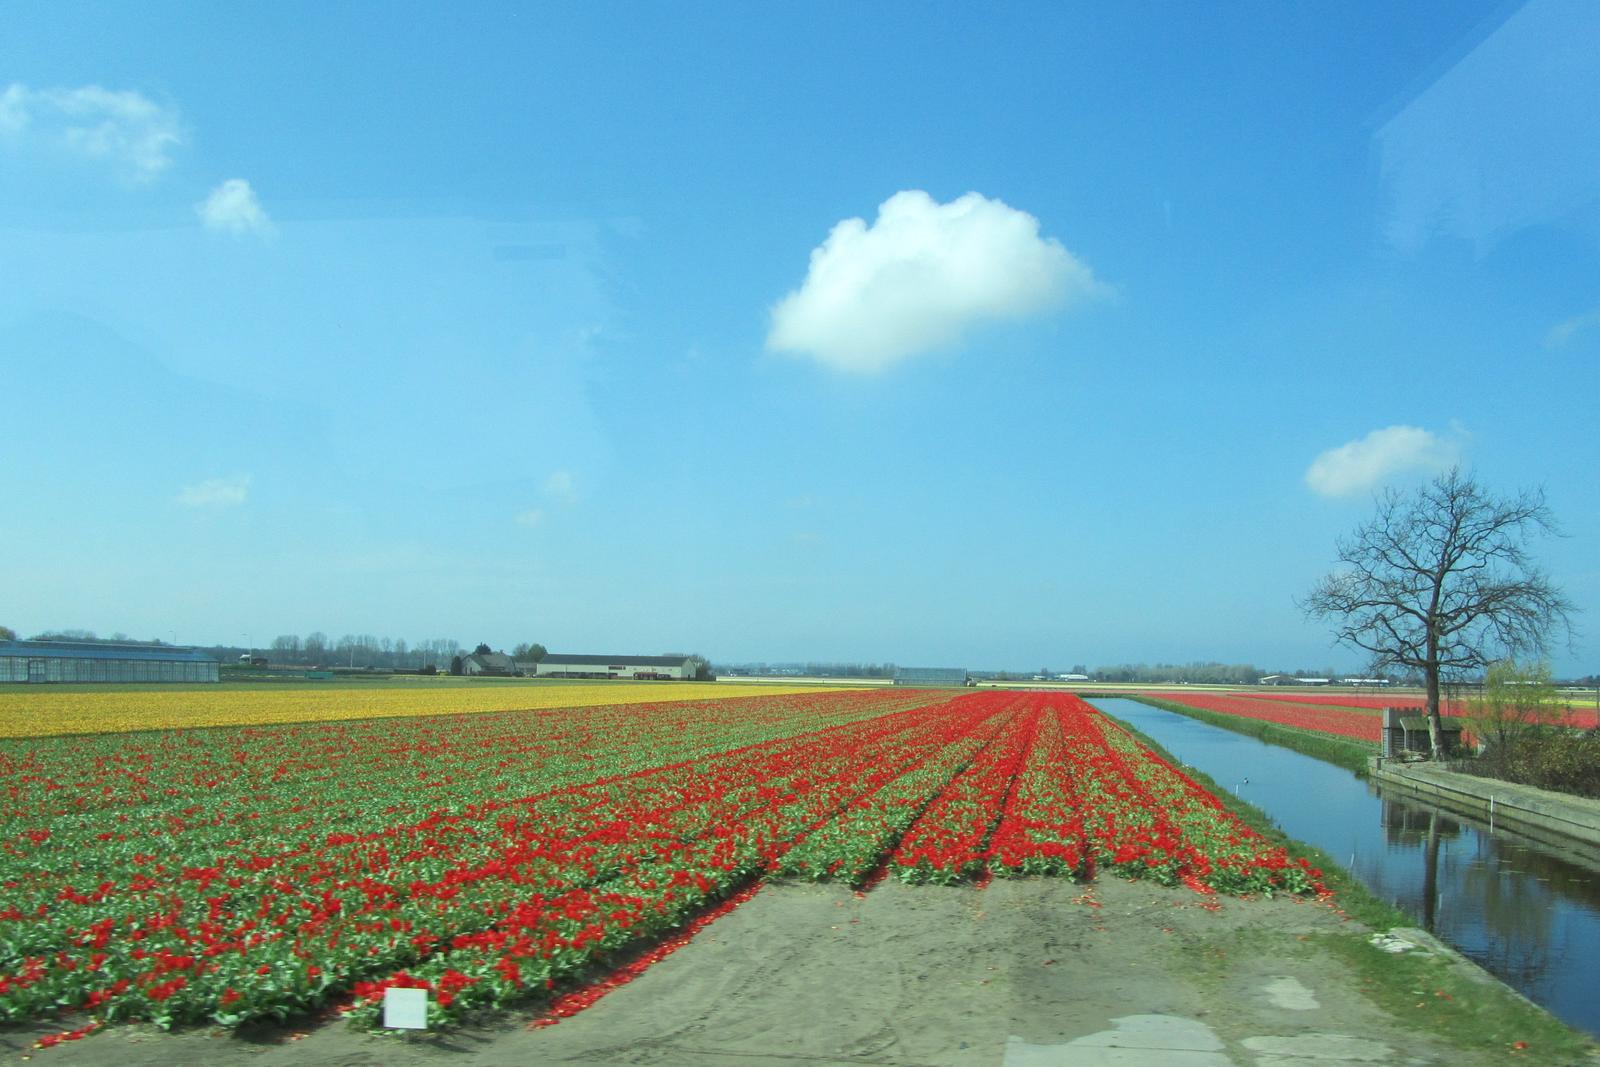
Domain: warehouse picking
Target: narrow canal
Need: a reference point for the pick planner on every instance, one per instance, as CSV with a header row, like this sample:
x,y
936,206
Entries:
x,y
1526,912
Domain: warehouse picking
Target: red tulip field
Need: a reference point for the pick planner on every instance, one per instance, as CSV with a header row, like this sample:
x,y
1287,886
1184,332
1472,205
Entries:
x,y
1350,715
227,874
1369,702
1358,723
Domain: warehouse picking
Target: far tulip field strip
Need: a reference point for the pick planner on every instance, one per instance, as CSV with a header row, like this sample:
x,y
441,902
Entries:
x,y
1584,718
228,874
1359,700
1356,716
1361,724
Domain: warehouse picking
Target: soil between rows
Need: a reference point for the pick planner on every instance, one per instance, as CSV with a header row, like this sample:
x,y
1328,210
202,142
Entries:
x,y
902,975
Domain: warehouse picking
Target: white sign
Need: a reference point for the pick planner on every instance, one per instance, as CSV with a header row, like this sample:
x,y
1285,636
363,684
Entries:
x,y
405,1009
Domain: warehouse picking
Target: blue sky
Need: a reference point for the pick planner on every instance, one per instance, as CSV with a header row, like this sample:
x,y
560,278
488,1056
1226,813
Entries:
x,y
520,323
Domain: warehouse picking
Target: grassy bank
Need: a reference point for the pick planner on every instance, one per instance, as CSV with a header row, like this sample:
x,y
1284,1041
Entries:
x,y
1351,755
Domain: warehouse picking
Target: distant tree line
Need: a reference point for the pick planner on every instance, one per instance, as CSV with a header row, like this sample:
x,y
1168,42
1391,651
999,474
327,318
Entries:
x,y
362,650
8,634
1211,673
380,653
314,649
1206,673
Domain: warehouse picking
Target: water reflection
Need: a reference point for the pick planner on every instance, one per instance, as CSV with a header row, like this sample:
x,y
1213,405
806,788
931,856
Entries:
x,y
1407,827
1527,911
1407,824
1513,906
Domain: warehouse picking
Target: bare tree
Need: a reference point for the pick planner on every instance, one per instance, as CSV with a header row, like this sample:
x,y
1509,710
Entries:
x,y
1440,581
439,650
316,647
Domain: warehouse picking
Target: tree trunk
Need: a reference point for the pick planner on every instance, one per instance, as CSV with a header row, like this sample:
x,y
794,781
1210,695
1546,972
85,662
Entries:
x,y
1435,731
1430,873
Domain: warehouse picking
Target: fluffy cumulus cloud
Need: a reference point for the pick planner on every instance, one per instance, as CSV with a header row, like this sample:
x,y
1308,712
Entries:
x,y
917,278
124,129
216,492
1363,465
232,207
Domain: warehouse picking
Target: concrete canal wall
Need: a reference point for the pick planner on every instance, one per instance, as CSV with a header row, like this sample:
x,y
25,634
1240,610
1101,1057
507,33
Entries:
x,y
1537,811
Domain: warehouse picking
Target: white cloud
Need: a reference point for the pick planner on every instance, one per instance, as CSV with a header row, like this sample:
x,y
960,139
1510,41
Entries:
x,y
1562,332
918,277
233,208
14,109
126,129
561,486
531,517
1362,465
216,492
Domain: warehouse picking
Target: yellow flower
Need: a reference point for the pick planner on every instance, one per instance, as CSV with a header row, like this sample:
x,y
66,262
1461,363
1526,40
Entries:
x,y
40,711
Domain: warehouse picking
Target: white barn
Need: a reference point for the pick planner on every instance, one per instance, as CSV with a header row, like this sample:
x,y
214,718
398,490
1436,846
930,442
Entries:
x,y
567,665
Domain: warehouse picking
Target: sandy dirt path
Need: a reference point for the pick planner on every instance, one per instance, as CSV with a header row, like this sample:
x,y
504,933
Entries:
x,y
1019,974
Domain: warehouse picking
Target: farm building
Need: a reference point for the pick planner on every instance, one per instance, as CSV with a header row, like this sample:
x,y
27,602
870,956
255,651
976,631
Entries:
x,y
564,665
924,677
103,661
494,664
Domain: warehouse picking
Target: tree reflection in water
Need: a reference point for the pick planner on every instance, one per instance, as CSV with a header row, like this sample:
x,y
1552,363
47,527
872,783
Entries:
x,y
1509,890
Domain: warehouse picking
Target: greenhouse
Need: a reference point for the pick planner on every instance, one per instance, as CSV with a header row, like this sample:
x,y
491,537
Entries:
x,y
103,661
930,676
